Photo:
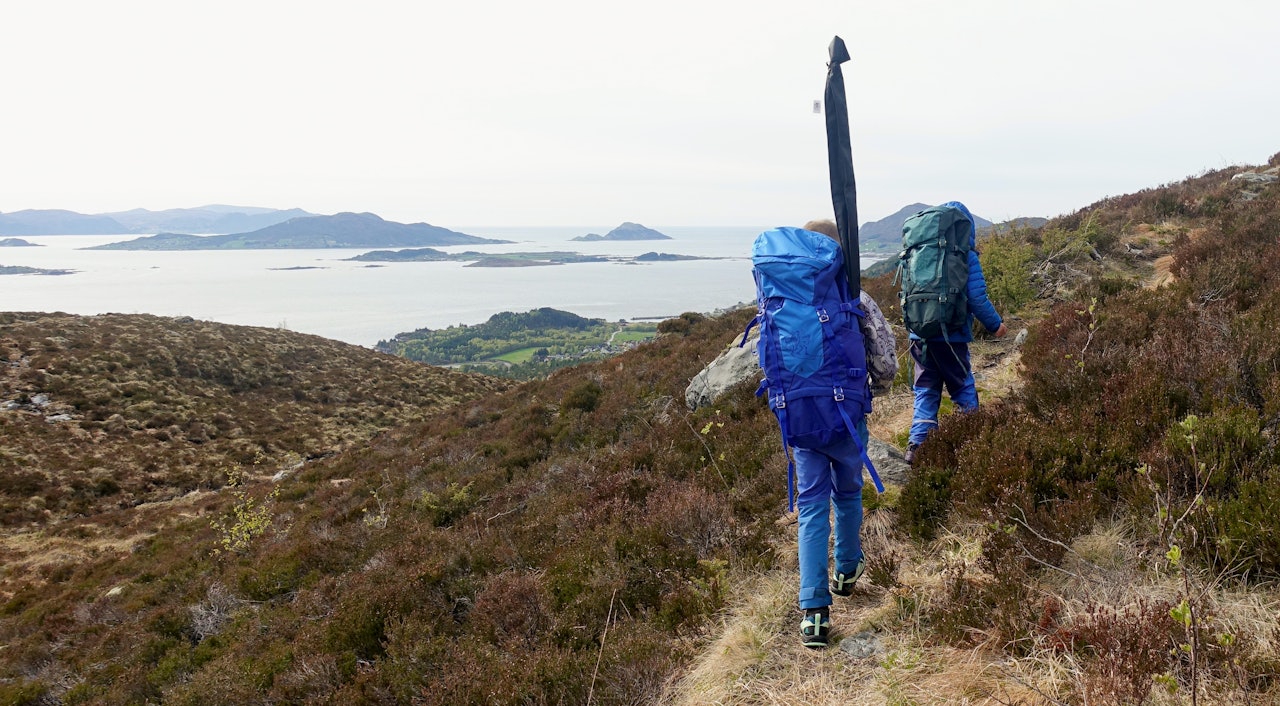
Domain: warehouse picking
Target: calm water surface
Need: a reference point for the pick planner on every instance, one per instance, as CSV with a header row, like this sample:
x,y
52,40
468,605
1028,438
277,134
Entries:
x,y
362,304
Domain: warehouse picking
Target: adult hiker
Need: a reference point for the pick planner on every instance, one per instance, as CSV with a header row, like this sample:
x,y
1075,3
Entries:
x,y
938,310
814,355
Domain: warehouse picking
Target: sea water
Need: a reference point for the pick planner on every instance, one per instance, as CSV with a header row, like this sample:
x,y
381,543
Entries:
x,y
321,292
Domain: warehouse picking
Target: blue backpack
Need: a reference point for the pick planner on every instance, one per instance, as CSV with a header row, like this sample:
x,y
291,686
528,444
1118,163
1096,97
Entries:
x,y
811,346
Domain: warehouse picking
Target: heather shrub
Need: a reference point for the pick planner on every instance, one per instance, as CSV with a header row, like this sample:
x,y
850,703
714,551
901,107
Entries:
x,y
1176,382
682,324
512,608
999,464
925,501
1220,472
1241,531
1121,649
584,397
997,604
447,506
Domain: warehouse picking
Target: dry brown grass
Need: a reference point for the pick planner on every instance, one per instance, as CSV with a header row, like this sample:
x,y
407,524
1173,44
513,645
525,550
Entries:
x,y
756,658
1106,574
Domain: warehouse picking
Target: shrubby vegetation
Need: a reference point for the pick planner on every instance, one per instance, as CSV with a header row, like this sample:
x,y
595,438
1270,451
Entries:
x,y
1150,406
572,539
563,539
112,411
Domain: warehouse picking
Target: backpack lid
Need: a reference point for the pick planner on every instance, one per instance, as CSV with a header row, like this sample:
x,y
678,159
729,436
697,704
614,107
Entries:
x,y
973,229
793,263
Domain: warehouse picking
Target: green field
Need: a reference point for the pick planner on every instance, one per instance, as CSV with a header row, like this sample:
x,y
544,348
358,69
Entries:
x,y
521,356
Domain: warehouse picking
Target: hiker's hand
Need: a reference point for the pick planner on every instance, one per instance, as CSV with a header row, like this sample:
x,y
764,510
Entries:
x,y
1000,332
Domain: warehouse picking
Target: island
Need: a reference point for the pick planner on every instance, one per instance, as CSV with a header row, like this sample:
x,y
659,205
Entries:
x,y
668,257
343,230
511,262
407,255
505,259
513,259
19,270
520,345
18,243
626,231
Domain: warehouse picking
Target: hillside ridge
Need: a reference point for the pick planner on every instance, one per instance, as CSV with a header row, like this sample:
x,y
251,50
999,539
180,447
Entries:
x,y
586,538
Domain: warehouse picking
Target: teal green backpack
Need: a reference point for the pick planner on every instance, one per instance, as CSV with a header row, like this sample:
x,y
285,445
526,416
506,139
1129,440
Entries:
x,y
934,269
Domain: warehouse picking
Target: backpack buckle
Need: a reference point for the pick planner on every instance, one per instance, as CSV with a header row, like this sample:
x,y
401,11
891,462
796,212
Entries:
x,y
839,394
780,401
822,316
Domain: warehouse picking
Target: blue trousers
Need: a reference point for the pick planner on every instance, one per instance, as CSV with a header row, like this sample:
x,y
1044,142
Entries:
x,y
937,365
827,477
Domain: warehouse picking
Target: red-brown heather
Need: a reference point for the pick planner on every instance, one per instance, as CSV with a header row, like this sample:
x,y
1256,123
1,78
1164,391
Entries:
x,y
446,539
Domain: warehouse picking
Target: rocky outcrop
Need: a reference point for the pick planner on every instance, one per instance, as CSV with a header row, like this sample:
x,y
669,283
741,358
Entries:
x,y
733,366
888,461
737,364
1269,176
1255,182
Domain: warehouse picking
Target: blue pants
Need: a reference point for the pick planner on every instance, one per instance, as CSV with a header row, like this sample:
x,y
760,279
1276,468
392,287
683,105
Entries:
x,y
826,477
936,365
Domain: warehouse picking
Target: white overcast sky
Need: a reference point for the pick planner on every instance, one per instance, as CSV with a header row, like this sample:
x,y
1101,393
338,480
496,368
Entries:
x,y
664,112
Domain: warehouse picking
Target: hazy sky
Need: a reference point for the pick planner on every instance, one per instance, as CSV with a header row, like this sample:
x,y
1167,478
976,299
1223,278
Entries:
x,y
664,112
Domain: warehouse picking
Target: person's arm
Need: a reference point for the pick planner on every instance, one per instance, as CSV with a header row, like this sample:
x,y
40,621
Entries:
x,y
979,304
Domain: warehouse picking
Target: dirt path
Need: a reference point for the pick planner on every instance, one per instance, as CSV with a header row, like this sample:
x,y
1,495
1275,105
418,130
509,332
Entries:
x,y
995,370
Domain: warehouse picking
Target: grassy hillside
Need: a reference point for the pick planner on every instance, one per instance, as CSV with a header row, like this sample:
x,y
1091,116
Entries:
x,y
564,540
113,411
1104,532
113,427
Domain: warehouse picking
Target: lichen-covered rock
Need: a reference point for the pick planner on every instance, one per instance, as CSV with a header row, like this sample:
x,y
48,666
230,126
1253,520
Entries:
x,y
737,363
732,367
1256,178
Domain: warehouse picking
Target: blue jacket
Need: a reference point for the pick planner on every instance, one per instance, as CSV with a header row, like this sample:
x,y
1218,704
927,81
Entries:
x,y
979,305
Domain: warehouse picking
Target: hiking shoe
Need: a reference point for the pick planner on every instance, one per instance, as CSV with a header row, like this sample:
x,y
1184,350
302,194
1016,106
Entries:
x,y
910,455
815,629
842,584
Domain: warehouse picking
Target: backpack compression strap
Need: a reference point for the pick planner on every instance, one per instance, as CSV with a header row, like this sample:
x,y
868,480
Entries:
x,y
838,393
747,332
866,460
779,405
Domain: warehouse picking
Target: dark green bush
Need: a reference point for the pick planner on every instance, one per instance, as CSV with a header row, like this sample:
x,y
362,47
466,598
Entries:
x,y
584,397
682,324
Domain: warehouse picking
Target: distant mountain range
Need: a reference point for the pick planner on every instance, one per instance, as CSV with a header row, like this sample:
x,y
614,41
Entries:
x,y
885,235
343,230
215,218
